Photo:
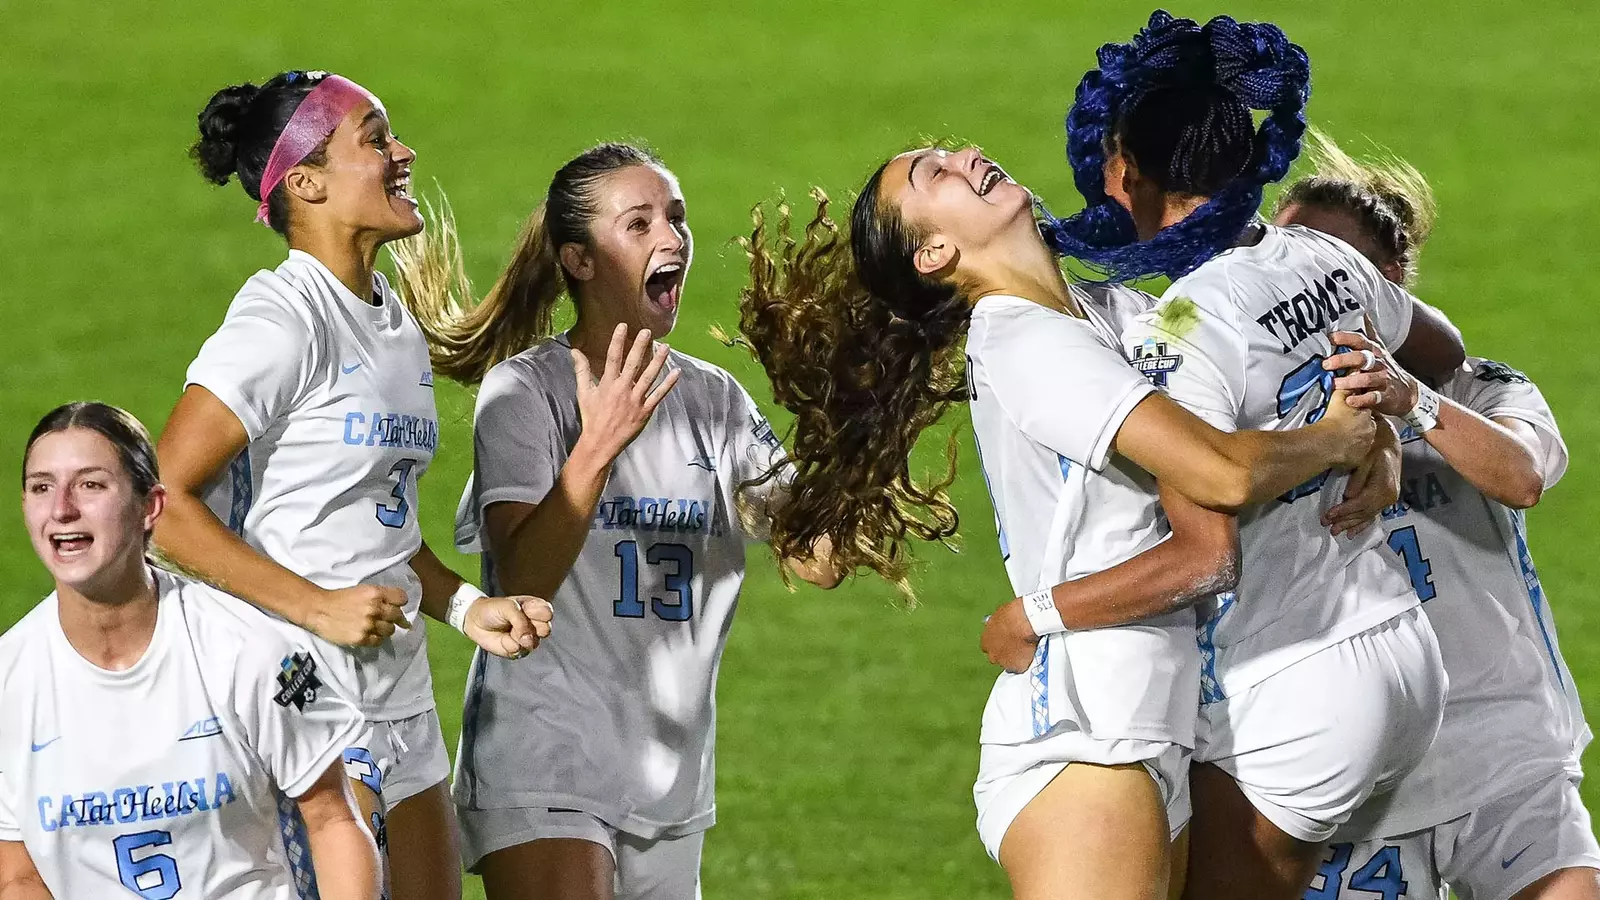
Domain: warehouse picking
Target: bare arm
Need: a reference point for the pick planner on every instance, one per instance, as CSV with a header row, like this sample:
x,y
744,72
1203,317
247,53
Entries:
x,y
534,545
1373,487
1433,347
1228,471
201,438
505,626
342,852
19,877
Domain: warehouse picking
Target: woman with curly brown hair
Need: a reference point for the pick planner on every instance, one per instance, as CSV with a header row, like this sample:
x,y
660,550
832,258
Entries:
x,y
1082,783
587,769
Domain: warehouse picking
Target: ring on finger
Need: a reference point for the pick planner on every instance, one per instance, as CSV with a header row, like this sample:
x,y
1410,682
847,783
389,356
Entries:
x,y
1369,360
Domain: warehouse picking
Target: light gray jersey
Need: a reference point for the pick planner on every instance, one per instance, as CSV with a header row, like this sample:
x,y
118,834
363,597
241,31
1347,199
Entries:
x,y
615,714
177,772
1049,393
336,397
1513,716
1240,342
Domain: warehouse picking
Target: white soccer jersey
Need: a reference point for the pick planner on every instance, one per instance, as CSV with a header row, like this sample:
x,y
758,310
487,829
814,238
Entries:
x,y
1049,392
1513,717
614,714
336,395
1240,342
1117,304
177,773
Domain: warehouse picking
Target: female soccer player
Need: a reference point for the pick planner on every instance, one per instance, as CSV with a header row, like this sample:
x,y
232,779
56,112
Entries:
x,y
587,770
1083,777
161,737
1493,808
1324,681
305,423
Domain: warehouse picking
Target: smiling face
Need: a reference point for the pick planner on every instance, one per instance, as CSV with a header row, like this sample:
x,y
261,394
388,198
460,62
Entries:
x,y
962,204
639,249
364,183
86,520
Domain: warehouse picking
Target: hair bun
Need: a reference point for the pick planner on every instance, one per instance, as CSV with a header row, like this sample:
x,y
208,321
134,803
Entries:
x,y
1258,63
221,125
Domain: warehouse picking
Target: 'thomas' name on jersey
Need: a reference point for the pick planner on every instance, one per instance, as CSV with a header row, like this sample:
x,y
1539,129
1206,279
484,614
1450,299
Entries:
x,y
175,773
1512,717
1240,343
1049,393
615,714
336,396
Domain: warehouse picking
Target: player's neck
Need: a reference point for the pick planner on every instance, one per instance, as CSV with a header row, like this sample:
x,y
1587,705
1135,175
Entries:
x,y
1032,273
349,257
111,624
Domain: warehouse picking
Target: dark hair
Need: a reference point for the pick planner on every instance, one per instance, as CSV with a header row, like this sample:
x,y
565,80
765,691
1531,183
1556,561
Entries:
x,y
132,442
465,339
1388,197
1177,99
865,351
238,127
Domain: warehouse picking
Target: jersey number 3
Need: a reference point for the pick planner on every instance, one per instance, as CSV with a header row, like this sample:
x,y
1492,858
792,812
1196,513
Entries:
x,y
155,877
680,608
395,516
1310,375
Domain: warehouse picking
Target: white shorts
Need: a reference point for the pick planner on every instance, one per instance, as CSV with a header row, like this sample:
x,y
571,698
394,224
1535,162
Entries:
x,y
665,868
1011,775
1488,854
399,759
1309,744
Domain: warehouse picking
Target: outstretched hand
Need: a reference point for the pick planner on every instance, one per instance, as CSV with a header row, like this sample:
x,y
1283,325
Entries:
x,y
618,406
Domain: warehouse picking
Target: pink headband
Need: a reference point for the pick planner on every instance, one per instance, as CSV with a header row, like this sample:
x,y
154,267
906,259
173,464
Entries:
x,y
314,119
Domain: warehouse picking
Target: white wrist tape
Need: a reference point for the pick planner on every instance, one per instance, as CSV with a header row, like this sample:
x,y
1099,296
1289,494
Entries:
x,y
461,601
1425,415
1040,607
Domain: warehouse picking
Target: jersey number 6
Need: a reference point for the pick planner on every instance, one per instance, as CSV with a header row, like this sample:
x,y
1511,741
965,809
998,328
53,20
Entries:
x,y
678,609
154,877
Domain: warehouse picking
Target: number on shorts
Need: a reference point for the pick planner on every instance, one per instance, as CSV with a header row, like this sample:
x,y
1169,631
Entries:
x,y
1380,875
165,884
1308,376
1404,542
677,608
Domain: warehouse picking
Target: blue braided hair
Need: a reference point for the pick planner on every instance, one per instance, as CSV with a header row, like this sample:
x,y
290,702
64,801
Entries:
x,y
1177,99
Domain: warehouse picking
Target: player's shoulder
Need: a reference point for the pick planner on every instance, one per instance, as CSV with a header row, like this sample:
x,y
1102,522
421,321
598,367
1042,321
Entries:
x,y
29,636
226,632
282,296
1477,374
700,375
1005,317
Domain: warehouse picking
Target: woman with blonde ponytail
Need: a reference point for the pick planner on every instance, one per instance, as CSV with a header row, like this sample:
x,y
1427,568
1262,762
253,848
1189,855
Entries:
x,y
586,769
1493,809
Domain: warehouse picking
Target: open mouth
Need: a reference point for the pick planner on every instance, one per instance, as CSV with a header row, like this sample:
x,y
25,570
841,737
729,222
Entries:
x,y
400,187
664,285
69,544
991,179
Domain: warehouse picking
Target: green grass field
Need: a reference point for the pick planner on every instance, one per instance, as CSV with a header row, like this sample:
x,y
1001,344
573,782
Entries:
x,y
848,727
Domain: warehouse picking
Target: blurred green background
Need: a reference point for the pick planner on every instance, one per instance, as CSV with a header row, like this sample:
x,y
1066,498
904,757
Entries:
x,y
848,727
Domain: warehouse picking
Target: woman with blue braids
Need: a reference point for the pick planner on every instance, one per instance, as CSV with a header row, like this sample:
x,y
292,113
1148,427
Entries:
x,y
1322,680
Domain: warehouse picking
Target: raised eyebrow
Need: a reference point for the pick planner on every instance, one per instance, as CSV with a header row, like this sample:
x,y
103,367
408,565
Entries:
x,y
637,207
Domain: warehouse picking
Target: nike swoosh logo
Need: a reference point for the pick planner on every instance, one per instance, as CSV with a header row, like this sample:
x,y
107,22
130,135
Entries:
x,y
348,369
1506,863
38,747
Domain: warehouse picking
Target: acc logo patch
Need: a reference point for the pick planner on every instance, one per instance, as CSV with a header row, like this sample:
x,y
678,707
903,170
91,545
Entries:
x,y
1489,370
1154,362
297,681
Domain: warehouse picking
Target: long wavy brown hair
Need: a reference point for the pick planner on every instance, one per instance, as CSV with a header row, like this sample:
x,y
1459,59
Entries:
x,y
866,353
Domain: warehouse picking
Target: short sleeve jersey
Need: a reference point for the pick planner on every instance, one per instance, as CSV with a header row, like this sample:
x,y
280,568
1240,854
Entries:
x,y
336,397
1240,342
179,772
615,714
1512,718
1049,393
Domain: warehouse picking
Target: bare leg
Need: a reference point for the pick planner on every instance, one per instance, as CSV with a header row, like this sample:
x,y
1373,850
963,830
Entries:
x,y
1095,832
424,856
1235,851
1564,884
549,869
1180,865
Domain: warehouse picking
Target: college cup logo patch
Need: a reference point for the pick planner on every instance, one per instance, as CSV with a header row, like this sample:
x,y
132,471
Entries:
x,y
297,681
1154,362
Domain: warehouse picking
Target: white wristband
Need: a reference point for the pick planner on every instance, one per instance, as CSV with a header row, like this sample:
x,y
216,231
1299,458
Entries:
x,y
461,601
1425,415
1040,607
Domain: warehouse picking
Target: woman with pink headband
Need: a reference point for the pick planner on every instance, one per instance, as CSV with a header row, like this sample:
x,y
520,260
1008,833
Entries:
x,y
293,455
